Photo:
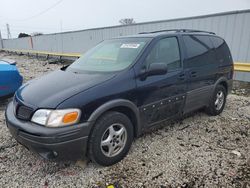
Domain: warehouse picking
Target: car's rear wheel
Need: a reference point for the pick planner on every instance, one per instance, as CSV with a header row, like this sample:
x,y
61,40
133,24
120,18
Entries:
x,y
218,101
110,139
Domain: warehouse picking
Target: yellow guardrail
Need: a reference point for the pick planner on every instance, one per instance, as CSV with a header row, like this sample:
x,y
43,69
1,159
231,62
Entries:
x,y
43,53
238,66
245,67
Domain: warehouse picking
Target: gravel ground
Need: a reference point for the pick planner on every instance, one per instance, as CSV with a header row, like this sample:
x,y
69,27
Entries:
x,y
198,151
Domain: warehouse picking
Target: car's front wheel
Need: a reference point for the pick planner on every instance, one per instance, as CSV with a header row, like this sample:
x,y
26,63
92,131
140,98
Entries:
x,y
110,139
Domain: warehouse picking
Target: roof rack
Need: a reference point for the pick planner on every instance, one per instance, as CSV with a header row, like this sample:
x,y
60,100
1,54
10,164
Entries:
x,y
179,30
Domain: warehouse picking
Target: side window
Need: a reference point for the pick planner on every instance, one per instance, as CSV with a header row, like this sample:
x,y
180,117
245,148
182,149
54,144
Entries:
x,y
196,45
165,51
199,50
223,54
205,41
217,42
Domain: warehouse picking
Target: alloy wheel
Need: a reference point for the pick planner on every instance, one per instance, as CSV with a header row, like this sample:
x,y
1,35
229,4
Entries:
x,y
113,140
219,100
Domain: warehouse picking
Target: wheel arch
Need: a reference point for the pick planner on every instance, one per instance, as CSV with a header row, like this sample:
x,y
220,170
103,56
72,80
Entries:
x,y
222,81
123,106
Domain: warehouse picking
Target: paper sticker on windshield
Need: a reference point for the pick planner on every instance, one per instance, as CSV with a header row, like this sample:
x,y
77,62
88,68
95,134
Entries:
x,y
130,45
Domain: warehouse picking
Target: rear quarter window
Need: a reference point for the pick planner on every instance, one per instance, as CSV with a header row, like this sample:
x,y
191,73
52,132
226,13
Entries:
x,y
223,54
217,42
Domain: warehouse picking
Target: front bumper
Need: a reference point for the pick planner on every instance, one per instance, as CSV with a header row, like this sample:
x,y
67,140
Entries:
x,y
68,142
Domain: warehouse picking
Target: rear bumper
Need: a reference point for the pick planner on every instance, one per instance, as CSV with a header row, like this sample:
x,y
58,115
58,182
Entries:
x,y
52,143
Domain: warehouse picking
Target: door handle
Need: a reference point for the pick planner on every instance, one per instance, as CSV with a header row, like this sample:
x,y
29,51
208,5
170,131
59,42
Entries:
x,y
193,74
182,76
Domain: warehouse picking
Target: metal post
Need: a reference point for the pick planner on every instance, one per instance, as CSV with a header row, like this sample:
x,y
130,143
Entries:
x,y
8,31
1,41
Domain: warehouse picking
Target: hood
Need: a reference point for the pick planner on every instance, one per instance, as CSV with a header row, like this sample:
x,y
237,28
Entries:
x,y
50,90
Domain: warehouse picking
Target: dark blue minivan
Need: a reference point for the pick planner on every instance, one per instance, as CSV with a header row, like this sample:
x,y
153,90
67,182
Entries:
x,y
96,106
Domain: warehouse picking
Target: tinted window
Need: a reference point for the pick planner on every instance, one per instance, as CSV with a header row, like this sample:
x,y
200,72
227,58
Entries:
x,y
217,42
165,51
199,50
205,40
222,51
197,45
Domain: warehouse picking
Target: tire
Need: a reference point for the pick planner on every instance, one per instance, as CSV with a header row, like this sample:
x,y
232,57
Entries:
x,y
111,138
218,101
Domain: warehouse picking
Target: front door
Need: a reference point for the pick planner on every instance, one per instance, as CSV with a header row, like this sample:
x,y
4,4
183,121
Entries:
x,y
162,96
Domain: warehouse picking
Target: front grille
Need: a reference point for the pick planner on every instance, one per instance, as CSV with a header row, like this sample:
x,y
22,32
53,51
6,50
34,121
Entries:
x,y
24,112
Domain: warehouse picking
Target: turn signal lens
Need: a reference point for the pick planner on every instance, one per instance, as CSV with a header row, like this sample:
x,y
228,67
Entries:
x,y
71,117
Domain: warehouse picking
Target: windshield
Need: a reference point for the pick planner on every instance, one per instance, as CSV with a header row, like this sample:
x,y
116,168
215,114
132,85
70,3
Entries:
x,y
111,55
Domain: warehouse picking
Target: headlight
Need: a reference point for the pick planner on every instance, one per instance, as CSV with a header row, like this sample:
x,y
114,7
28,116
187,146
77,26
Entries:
x,y
56,118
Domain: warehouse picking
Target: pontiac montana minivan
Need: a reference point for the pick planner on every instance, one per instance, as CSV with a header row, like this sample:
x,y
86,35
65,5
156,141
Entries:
x,y
96,106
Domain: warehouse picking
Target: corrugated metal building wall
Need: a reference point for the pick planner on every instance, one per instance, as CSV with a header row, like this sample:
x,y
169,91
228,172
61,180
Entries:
x,y
1,41
234,27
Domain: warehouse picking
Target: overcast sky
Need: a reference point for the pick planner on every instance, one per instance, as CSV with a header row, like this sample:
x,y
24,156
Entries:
x,y
50,16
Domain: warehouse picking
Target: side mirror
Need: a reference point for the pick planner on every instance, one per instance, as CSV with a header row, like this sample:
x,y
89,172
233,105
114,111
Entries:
x,y
155,69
